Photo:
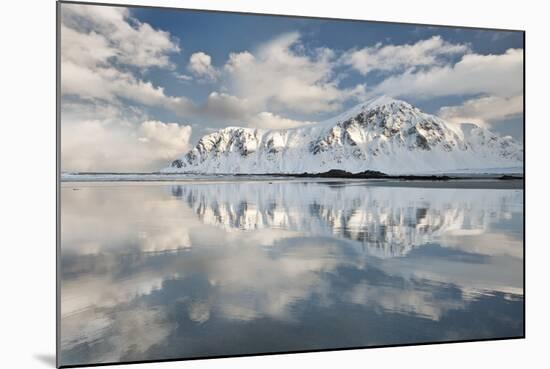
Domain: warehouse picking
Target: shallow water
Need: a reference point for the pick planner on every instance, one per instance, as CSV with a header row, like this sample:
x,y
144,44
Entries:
x,y
164,271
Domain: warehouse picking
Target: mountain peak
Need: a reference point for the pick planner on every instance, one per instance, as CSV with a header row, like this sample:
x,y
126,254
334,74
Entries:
x,y
370,104
383,100
381,134
380,101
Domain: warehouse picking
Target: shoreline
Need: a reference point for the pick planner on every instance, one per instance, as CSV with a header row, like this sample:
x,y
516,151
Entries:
x,y
485,181
334,174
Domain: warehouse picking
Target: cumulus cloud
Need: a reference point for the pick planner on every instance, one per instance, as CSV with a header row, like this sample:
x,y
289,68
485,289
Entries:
x,y
395,57
484,111
496,75
119,36
170,136
110,84
99,44
281,75
103,127
95,146
107,138
86,49
200,64
494,83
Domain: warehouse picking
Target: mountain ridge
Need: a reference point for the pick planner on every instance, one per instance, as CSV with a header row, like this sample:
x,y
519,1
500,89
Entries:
x,y
382,134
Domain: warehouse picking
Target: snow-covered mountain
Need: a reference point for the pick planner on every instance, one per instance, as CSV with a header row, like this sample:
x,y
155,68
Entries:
x,y
382,134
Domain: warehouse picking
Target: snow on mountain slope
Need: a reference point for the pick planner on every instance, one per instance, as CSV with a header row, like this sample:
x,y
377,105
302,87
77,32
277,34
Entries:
x,y
382,134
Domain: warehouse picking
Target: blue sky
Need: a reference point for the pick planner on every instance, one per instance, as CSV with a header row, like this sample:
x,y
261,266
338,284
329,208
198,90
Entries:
x,y
200,31
161,75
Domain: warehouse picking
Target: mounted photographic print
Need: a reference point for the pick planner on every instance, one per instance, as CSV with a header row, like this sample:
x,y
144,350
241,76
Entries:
x,y
238,184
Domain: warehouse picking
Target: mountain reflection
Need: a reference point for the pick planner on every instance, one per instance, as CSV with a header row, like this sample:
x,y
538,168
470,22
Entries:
x,y
386,221
157,272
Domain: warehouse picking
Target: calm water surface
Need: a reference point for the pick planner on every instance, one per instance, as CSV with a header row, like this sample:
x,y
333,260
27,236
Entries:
x,y
163,271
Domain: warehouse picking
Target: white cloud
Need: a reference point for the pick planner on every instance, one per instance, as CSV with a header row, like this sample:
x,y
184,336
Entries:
x,y
269,120
226,106
130,41
200,64
90,72
102,131
171,137
85,49
98,46
484,111
183,77
393,57
496,75
108,83
281,76
111,139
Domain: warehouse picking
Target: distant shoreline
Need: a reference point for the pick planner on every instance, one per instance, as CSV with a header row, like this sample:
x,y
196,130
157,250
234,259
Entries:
x,y
473,181
333,173
407,177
